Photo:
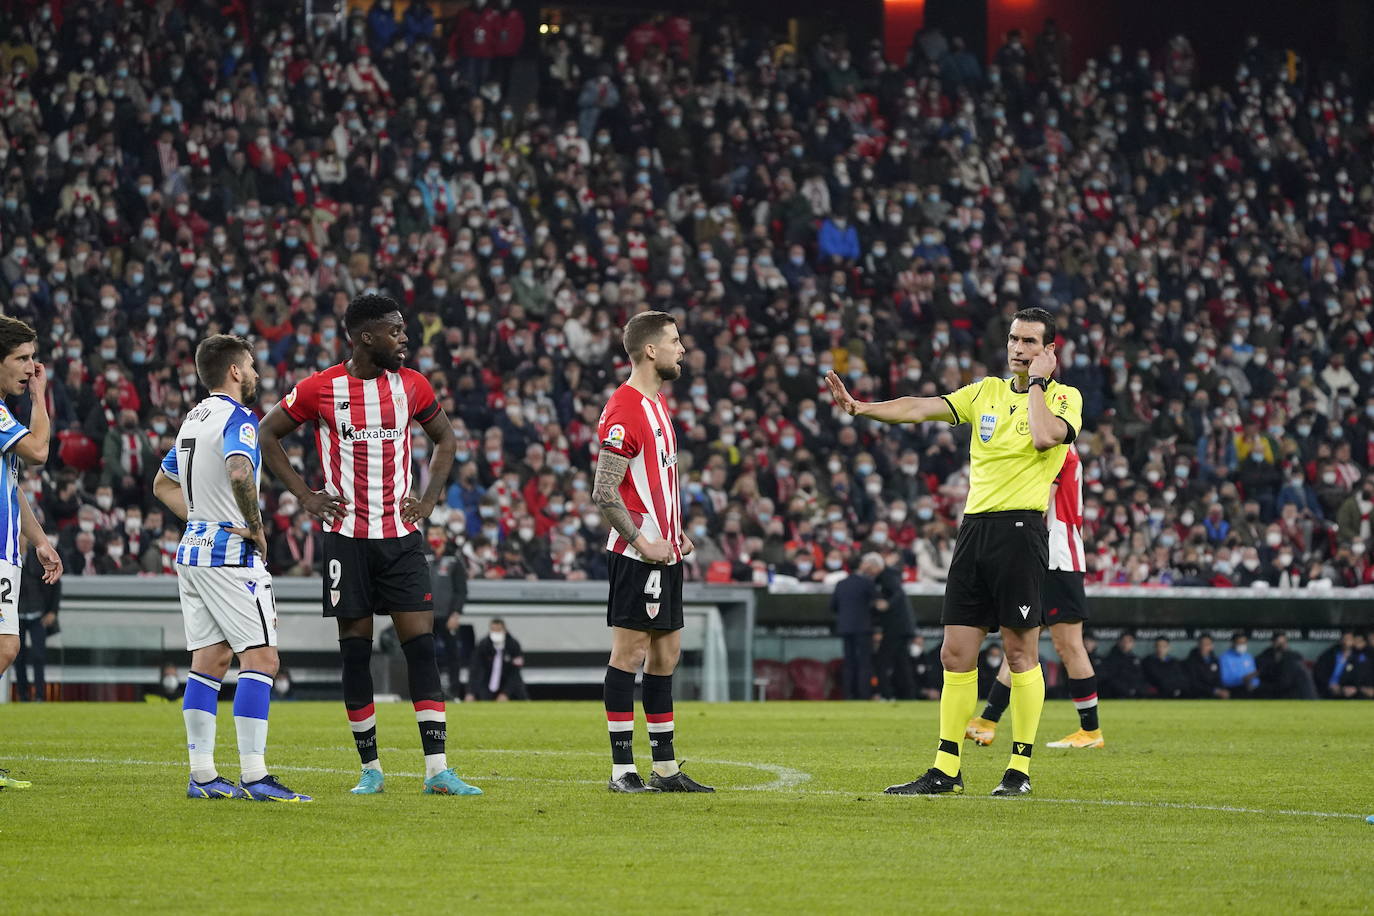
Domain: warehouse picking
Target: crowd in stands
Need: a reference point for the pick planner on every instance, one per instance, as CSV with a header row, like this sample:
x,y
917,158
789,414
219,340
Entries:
x,y
167,172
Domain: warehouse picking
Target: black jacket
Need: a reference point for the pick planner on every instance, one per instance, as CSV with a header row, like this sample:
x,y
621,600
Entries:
x,y
852,605
897,620
1121,675
512,684
1166,676
1204,674
36,597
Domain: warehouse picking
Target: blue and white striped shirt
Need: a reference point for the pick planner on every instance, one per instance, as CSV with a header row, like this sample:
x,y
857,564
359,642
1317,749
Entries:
x,y
215,429
11,431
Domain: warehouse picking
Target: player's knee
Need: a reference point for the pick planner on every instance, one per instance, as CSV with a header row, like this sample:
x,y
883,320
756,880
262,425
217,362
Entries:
x,y
1022,655
956,658
213,660
629,658
264,660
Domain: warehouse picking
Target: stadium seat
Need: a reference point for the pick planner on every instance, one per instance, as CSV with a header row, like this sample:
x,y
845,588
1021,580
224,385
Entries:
x,y
836,670
810,679
779,682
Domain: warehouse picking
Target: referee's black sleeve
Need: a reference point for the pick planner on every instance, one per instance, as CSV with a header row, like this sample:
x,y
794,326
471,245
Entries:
x,y
954,413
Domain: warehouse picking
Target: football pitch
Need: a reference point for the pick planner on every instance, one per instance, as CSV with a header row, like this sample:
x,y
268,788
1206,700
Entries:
x,y
1193,806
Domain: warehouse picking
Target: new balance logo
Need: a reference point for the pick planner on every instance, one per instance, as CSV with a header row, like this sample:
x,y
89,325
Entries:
x,y
343,405
1025,611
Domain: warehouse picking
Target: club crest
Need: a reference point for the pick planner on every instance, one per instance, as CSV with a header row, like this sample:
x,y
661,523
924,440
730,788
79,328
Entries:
x,y
986,424
651,608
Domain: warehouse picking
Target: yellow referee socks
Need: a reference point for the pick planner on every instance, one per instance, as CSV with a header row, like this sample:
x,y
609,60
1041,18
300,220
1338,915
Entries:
x,y
957,702
1027,700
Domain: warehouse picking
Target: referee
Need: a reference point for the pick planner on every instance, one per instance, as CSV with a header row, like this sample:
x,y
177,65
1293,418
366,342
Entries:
x,y
1022,428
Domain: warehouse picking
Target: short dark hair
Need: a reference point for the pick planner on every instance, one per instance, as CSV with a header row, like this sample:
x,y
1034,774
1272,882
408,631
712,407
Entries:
x,y
644,329
1041,316
14,334
216,354
366,308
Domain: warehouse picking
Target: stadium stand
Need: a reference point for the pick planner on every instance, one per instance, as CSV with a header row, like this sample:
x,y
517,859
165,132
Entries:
x,y
169,172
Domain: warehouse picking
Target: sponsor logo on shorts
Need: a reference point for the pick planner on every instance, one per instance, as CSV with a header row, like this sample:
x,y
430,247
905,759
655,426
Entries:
x,y
1025,611
252,587
986,424
651,608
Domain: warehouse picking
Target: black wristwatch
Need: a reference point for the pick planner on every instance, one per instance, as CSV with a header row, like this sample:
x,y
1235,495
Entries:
x,y
1044,383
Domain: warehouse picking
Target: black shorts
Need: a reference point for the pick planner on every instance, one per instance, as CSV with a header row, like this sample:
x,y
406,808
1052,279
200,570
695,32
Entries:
x,y
1064,598
366,576
643,596
998,570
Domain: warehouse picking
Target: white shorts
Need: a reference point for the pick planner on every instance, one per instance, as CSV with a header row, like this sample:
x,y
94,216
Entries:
x,y
9,599
232,604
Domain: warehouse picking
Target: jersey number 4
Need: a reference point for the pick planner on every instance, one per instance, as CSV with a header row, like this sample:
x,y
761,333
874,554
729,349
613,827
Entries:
x,y
653,586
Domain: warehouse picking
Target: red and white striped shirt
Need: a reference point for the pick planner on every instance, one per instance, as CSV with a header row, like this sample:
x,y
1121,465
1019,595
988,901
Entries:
x,y
362,432
1065,516
641,429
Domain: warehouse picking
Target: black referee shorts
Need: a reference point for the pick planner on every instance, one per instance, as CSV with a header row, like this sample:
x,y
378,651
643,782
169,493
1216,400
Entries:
x,y
1065,598
366,576
998,572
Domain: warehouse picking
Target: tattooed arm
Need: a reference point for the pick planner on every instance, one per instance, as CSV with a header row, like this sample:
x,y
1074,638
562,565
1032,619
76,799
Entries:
x,y
242,481
610,471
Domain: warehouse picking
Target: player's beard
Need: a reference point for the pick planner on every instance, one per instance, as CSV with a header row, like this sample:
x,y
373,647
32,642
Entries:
x,y
668,373
249,390
388,361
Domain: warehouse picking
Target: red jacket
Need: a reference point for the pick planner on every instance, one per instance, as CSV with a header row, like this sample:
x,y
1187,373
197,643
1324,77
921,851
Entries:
x,y
510,33
476,33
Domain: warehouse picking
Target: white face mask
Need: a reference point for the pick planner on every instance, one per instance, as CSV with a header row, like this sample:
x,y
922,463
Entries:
x,y
498,640
170,682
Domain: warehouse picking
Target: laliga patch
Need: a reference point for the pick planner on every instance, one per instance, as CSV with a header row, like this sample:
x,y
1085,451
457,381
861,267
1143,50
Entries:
x,y
986,424
7,421
248,435
615,437
290,398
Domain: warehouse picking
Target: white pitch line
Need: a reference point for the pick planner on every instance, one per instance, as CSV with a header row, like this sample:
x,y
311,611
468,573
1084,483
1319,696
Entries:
x,y
787,780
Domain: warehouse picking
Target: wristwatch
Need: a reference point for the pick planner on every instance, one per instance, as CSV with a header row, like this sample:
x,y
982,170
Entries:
x,y
1044,383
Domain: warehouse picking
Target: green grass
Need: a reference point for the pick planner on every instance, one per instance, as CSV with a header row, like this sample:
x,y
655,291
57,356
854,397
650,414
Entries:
x,y
799,824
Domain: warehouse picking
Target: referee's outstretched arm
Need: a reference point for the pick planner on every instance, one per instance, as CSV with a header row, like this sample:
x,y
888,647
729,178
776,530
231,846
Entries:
x,y
897,410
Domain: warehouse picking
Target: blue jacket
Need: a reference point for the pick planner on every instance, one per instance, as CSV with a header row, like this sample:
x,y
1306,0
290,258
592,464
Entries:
x,y
1235,665
837,242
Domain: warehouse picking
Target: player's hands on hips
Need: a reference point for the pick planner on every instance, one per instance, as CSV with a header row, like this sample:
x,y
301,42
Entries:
x,y
52,563
654,551
325,506
415,510
259,539
1044,363
684,543
38,382
841,394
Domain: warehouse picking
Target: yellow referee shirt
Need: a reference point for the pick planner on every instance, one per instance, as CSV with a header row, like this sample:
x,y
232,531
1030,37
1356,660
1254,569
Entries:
x,y
1005,470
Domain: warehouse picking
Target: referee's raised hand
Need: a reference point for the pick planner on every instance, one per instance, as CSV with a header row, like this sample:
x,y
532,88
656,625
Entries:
x,y
1044,363
841,394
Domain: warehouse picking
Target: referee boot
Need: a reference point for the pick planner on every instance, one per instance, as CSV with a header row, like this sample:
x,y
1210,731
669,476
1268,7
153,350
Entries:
x,y
630,784
1014,782
933,782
